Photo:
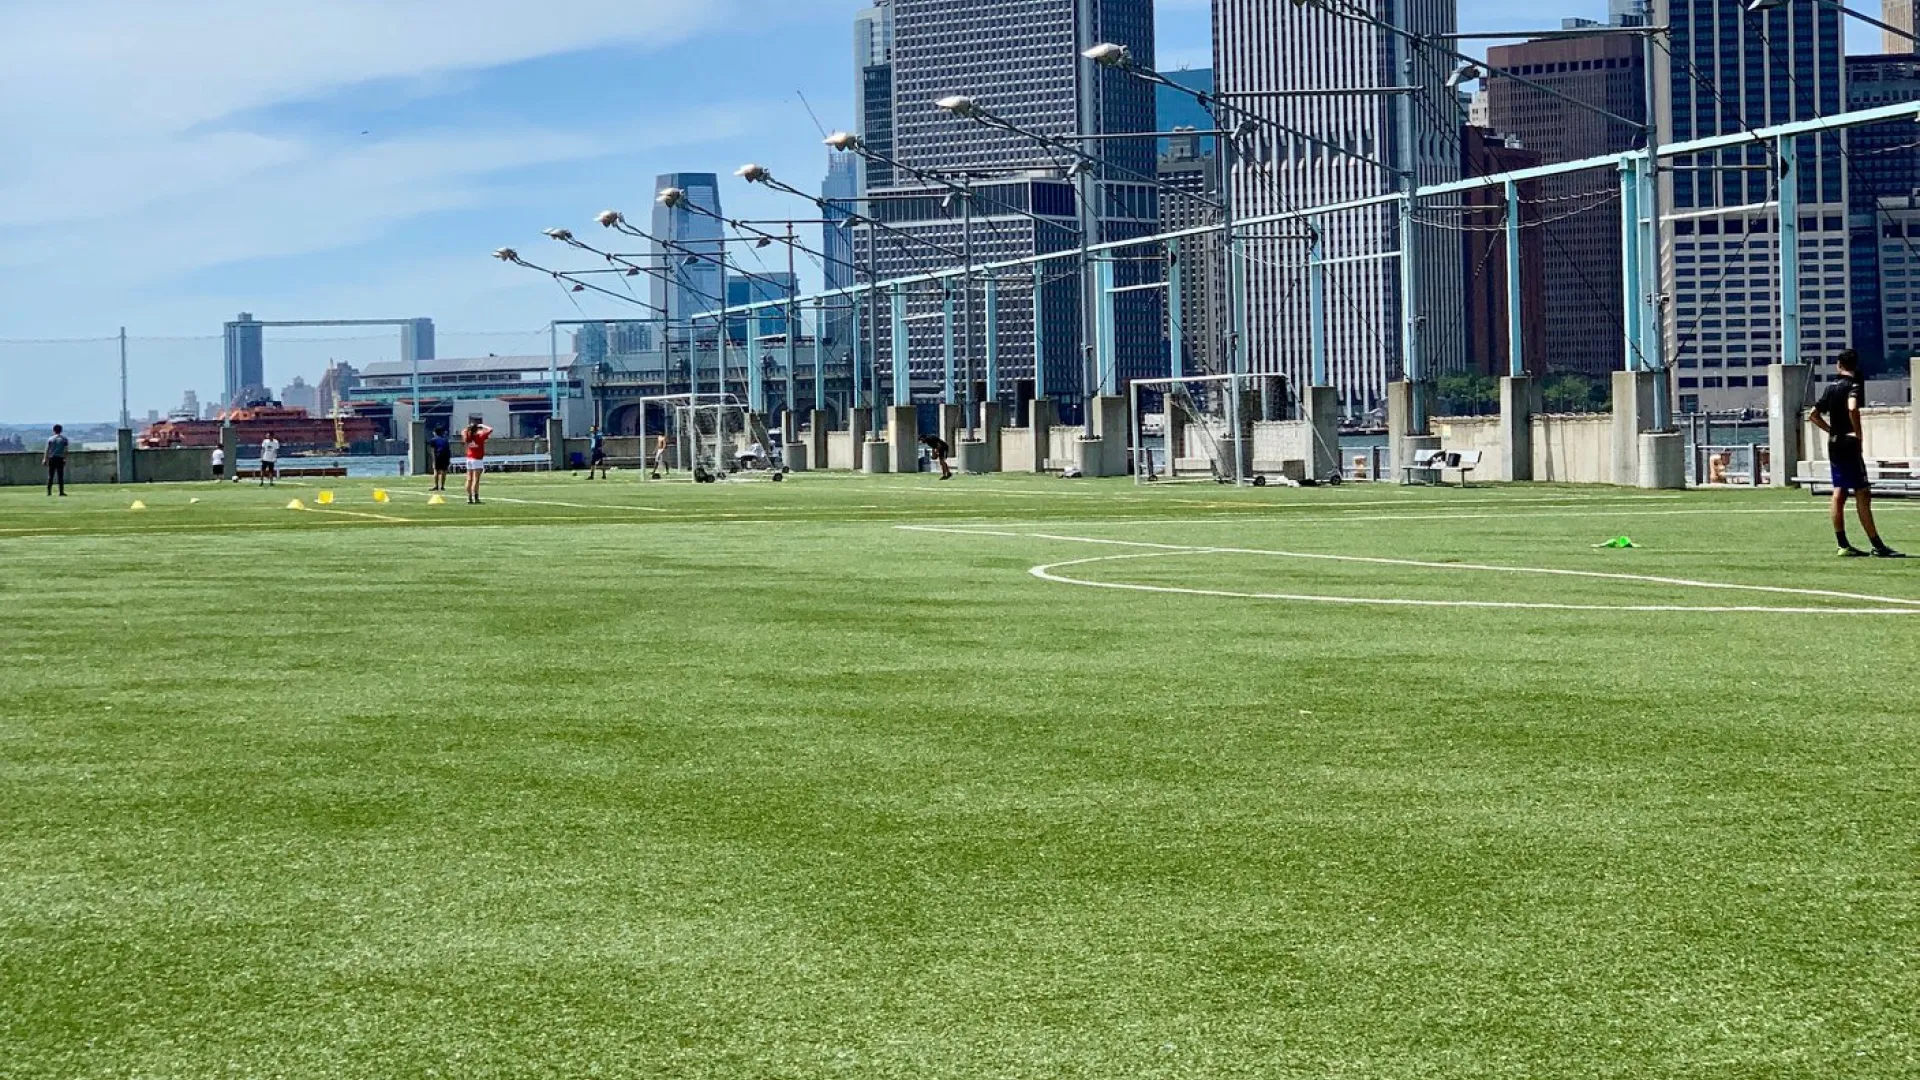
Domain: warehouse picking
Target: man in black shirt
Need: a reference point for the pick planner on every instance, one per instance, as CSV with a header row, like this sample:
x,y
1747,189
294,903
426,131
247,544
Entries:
x,y
938,448
55,459
1838,414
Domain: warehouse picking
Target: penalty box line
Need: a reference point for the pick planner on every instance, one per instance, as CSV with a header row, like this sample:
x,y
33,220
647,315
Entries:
x,y
1893,603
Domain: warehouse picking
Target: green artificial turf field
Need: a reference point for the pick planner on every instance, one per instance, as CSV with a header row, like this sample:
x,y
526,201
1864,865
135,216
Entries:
x,y
614,779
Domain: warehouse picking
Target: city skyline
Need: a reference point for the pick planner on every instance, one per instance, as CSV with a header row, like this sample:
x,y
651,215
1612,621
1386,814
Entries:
x,y
406,161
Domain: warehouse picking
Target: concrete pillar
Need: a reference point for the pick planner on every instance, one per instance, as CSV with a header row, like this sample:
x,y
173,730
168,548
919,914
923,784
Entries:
x,y
859,425
419,454
1520,399
1913,409
1401,443
796,455
1041,415
556,444
982,455
230,443
1663,460
1789,389
875,456
903,435
787,429
816,438
123,456
1108,431
953,417
1632,414
1323,425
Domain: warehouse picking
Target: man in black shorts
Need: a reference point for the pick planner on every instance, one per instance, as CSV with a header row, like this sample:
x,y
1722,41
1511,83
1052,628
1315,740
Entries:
x,y
938,447
1838,414
442,449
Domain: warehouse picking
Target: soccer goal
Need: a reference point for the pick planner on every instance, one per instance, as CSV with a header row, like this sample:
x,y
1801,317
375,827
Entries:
x,y
1197,429
704,438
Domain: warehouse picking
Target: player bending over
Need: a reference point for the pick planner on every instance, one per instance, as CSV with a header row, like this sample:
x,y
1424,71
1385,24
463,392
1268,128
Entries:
x,y
1838,414
938,447
475,438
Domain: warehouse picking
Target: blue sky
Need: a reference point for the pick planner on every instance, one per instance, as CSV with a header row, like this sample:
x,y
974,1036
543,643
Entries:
x,y
171,162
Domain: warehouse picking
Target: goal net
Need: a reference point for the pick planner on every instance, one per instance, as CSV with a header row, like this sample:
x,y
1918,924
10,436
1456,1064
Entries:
x,y
1194,430
703,438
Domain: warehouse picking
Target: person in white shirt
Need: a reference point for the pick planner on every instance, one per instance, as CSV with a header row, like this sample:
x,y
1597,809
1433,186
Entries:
x,y
269,459
219,463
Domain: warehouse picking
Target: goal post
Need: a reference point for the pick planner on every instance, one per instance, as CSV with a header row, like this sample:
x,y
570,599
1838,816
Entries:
x,y
703,437
1196,429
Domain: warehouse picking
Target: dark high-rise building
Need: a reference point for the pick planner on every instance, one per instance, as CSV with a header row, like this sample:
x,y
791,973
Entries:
x,y
1883,165
693,263
245,362
1582,319
1019,59
1729,70
1484,253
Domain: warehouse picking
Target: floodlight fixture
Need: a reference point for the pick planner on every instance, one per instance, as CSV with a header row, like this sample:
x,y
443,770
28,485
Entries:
x,y
753,174
1465,73
1107,54
960,105
610,218
672,197
843,141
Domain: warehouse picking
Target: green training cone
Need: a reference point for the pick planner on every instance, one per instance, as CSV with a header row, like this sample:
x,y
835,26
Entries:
x,y
1618,542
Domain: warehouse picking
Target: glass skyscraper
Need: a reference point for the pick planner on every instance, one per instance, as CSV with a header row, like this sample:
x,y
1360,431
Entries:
x,y
694,263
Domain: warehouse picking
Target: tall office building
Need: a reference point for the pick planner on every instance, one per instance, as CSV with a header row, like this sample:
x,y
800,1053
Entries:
x,y
694,264
1582,293
1898,14
245,362
1729,70
1189,164
841,191
1882,165
1019,59
1483,249
1263,46
873,89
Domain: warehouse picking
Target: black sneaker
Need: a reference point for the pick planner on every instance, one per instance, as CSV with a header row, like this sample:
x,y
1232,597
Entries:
x,y
1851,552
1885,552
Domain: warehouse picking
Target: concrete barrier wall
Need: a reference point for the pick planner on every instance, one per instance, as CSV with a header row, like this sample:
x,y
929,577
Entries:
x,y
1063,443
840,450
1573,449
1283,440
1016,449
1887,434
103,467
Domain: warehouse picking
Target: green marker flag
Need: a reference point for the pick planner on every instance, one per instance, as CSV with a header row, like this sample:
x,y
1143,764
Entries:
x,y
1618,542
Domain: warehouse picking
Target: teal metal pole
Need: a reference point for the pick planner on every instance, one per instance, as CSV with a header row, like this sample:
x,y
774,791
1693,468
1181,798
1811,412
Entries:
x,y
1790,250
992,288
902,389
1630,284
1105,362
819,359
1039,330
1651,330
1317,308
1176,332
946,342
1516,332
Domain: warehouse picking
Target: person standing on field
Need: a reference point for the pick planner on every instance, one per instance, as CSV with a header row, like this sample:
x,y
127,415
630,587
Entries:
x,y
1838,414
475,437
597,453
269,461
219,463
442,450
55,459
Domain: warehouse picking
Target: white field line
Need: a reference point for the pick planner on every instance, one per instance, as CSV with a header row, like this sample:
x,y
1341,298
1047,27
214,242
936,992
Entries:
x,y
358,514
549,502
1893,605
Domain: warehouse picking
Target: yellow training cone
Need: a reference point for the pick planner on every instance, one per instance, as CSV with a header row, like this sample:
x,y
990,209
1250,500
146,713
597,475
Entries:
x,y
325,498
137,505
380,495
190,502
436,501
296,505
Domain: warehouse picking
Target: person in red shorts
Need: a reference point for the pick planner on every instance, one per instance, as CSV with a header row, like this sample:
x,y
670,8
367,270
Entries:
x,y
475,436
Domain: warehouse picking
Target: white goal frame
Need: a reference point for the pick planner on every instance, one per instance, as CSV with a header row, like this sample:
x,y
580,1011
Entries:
x,y
1228,437
706,434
